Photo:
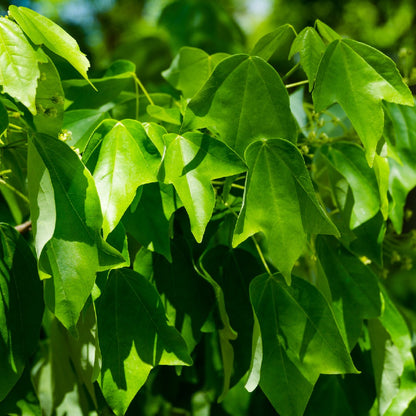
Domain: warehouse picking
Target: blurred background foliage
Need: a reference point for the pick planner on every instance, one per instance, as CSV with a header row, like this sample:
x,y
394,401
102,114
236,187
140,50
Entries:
x,y
150,32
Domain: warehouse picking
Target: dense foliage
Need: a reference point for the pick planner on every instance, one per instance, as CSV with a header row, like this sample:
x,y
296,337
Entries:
x,y
221,247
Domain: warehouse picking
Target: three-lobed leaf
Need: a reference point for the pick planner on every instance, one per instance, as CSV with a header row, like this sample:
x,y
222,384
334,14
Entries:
x,y
235,99
126,160
359,77
190,69
190,163
280,202
134,337
300,339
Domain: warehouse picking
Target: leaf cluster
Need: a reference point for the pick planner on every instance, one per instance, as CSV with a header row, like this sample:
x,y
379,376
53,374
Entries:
x,y
227,241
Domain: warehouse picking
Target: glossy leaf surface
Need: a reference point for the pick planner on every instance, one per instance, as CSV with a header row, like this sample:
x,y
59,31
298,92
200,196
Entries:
x,y
234,100
359,77
66,194
19,70
310,48
190,163
190,69
42,31
266,46
300,339
280,202
134,337
127,159
349,160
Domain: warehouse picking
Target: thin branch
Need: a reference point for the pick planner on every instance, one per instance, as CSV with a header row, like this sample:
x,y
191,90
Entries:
x,y
24,227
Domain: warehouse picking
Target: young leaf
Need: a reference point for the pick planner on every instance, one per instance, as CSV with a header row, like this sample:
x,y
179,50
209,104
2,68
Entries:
x,y
235,99
21,307
300,340
42,31
67,220
191,161
354,288
127,159
359,77
266,46
19,71
280,202
134,337
349,160
190,69
310,48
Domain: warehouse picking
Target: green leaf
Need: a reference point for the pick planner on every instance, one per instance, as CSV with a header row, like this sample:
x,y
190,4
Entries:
x,y
150,223
349,160
22,399
300,340
234,101
109,88
21,307
232,271
190,68
226,334
266,46
134,337
49,101
280,202
62,374
155,132
127,159
67,220
354,288
43,31
80,124
310,48
19,70
393,361
359,77
402,178
189,299
168,115
190,163
328,34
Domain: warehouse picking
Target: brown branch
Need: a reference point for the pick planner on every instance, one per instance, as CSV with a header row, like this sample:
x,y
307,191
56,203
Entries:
x,y
24,227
